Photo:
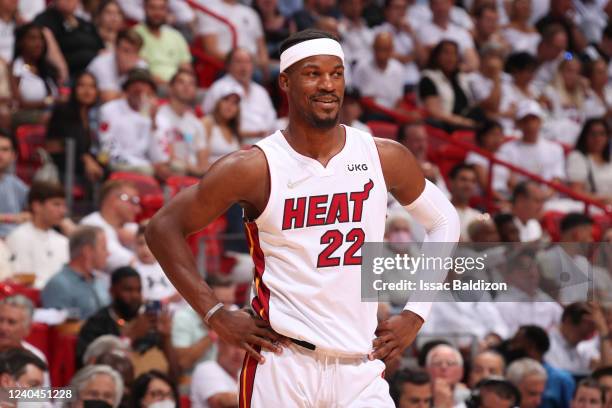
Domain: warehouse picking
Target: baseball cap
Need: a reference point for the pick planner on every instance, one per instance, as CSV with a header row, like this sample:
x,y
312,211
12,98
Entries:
x,y
527,108
220,90
139,75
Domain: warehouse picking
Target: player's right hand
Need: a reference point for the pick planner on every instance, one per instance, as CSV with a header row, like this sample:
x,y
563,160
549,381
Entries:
x,y
248,332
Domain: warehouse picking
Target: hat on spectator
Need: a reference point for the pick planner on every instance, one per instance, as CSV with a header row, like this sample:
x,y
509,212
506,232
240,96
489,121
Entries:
x,y
220,90
529,108
139,75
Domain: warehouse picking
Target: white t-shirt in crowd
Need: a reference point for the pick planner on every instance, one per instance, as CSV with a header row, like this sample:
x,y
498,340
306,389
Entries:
x,y
500,173
104,68
420,13
155,283
403,44
28,9
357,40
134,10
430,34
596,107
579,167
386,87
126,135
31,87
118,255
466,217
544,158
576,360
521,41
211,379
37,251
7,40
180,137
218,145
518,309
245,20
530,231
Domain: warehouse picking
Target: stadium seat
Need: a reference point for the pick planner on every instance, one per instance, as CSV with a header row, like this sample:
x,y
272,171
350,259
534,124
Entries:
x,y
149,205
207,67
62,363
385,130
184,402
8,288
39,337
550,223
29,139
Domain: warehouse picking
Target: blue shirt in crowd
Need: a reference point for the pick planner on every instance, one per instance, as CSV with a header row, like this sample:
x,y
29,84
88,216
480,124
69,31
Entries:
x,y
559,388
14,195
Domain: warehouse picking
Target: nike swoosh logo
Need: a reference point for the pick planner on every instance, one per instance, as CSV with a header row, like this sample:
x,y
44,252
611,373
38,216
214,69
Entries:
x,y
293,184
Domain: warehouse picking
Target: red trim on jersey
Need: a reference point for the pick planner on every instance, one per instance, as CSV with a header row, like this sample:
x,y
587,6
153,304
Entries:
x,y
247,379
261,300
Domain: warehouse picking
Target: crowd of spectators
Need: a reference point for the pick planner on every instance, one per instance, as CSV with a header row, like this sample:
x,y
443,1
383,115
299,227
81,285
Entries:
x,y
528,81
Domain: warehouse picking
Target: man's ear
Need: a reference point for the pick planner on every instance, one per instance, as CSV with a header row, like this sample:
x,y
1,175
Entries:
x,y
6,381
283,82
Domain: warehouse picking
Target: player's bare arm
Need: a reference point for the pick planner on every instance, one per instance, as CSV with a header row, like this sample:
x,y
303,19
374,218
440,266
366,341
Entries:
x,y
240,177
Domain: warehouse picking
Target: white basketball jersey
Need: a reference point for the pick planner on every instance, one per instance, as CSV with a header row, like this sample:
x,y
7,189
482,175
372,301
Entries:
x,y
306,244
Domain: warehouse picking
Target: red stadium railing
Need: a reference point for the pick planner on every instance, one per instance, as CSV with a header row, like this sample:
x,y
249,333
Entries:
x,y
203,9
398,117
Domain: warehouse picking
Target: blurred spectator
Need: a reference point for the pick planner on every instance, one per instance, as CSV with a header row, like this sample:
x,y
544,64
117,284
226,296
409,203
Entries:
x,y
221,125
484,365
562,12
445,366
119,205
601,50
20,368
603,375
217,38
28,9
98,383
378,77
148,331
257,114
217,381
77,119
181,14
352,110
8,20
411,389
38,250
193,342
589,170
483,230
490,137
102,345
164,48
111,68
463,186
521,68
405,49
13,191
551,51
494,392
441,28
357,37
156,285
530,378
487,31
419,12
443,90
16,314
276,26
6,269
78,39
533,152
179,131
126,126
120,362
414,136
507,229
75,287
588,394
519,33
524,302
154,390
569,348
312,11
533,342
34,79
109,20
527,203
599,96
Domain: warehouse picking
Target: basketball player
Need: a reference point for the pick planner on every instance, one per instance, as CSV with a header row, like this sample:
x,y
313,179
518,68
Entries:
x,y
312,194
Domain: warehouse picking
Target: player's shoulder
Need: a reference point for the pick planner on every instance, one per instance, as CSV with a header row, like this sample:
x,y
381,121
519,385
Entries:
x,y
244,164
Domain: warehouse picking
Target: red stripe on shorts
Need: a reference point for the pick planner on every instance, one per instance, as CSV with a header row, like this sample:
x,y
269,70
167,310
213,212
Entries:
x,y
247,379
261,300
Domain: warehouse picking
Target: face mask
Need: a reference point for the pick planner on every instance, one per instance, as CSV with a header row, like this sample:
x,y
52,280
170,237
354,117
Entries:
x,y
167,403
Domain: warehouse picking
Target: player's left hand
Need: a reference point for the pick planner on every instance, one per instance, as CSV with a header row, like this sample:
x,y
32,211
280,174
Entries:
x,y
394,335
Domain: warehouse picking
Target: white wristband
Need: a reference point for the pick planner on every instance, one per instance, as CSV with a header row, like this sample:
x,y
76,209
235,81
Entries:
x,y
212,311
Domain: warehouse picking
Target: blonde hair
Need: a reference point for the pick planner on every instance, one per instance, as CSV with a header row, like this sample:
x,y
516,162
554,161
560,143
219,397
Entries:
x,y
575,98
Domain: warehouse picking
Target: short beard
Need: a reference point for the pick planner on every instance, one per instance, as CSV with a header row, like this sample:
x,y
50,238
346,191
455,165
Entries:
x,y
322,124
155,25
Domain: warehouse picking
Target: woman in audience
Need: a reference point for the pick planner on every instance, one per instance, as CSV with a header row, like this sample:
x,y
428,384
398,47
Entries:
x,y
96,382
276,26
599,97
109,21
443,90
154,390
519,33
589,170
77,120
521,67
221,126
33,78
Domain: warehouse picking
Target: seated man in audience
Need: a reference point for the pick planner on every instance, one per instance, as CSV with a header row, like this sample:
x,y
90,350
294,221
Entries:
x,y
356,36
486,364
572,346
13,191
533,342
126,127
217,381
588,394
20,368
527,204
506,228
463,186
119,205
257,114
495,392
37,248
411,389
76,287
164,48
530,378
445,366
99,385
380,77
111,68
191,338
603,376
149,332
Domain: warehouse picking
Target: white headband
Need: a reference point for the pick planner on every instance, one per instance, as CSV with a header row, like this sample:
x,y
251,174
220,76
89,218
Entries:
x,y
310,48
